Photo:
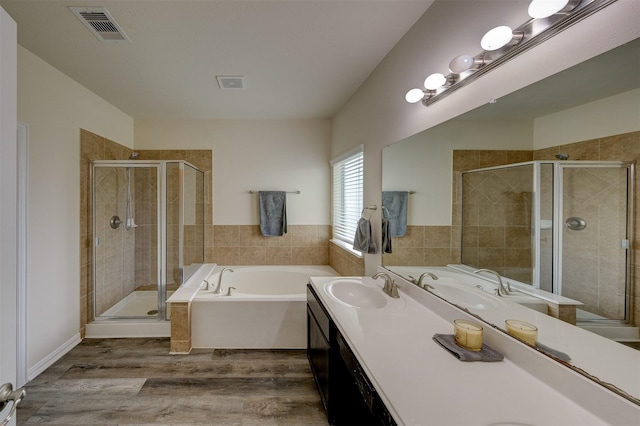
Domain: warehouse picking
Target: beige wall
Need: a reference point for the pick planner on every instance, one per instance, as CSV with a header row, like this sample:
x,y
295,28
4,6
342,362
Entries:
x,y
55,108
255,155
610,116
289,155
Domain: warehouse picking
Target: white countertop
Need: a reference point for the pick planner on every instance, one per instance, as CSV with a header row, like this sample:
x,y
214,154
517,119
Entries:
x,y
422,383
603,358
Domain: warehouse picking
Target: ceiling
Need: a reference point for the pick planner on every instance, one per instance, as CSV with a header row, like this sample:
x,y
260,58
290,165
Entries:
x,y
299,58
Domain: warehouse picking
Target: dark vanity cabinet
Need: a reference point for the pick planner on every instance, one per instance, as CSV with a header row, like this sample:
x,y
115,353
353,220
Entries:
x,y
347,394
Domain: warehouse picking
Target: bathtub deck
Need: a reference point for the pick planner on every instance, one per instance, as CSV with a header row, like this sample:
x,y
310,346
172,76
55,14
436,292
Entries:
x,y
136,381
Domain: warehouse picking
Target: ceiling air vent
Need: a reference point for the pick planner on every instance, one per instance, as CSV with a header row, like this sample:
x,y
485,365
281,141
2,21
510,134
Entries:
x,y
231,82
100,23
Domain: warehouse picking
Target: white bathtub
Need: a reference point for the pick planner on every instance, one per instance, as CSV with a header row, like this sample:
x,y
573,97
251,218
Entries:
x,y
267,308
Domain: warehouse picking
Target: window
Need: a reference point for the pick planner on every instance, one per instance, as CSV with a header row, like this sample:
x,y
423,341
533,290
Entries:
x,y
347,178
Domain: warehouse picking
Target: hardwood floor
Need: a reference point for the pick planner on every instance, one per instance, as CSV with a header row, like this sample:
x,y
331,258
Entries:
x,y
136,381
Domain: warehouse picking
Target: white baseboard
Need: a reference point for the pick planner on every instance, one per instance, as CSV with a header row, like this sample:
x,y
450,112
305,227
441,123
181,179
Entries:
x,y
50,359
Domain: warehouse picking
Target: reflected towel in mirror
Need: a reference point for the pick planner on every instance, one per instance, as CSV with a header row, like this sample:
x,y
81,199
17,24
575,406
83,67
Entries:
x,y
386,232
396,204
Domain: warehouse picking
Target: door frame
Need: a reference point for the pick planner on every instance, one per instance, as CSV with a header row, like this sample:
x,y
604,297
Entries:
x,y
23,198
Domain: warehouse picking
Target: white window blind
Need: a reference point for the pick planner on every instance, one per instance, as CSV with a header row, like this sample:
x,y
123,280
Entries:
x,y
347,176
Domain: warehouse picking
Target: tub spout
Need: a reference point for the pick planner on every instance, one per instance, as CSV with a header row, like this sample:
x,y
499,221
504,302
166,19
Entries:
x,y
218,288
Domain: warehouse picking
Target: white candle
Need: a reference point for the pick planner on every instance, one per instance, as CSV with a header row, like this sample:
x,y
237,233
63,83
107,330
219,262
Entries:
x,y
468,334
523,331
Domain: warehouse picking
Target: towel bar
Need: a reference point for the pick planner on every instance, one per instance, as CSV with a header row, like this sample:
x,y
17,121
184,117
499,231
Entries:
x,y
288,192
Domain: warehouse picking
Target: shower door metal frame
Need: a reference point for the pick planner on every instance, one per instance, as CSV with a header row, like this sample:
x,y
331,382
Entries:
x,y
161,232
558,221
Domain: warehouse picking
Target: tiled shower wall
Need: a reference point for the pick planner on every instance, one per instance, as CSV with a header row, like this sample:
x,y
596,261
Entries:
x,y
113,267
92,147
496,224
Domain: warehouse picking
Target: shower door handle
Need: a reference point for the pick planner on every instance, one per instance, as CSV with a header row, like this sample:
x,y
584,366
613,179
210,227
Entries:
x,y
7,394
575,223
115,222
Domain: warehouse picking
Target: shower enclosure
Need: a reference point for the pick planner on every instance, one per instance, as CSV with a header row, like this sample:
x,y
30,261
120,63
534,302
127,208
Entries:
x,y
148,235
562,226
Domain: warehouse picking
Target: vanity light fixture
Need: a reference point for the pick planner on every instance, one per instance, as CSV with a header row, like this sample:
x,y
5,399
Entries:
x,y
500,37
501,44
414,95
462,63
437,80
544,8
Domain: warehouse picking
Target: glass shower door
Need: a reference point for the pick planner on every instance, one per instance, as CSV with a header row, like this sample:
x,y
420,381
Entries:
x,y
594,238
126,240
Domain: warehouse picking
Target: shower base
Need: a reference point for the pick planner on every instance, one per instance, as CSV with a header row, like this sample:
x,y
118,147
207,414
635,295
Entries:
x,y
621,333
118,322
618,332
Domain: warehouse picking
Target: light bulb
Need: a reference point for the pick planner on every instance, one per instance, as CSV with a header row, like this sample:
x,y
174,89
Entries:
x,y
434,81
414,95
461,63
545,8
496,38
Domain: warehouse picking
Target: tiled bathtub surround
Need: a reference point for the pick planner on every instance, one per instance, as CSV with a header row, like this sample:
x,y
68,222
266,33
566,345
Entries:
x,y
345,262
245,245
424,246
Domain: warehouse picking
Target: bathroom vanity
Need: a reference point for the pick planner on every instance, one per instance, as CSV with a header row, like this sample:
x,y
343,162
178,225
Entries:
x,y
348,396
375,362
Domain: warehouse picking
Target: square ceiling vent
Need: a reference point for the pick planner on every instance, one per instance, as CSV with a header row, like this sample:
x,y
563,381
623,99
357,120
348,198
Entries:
x,y
231,82
101,24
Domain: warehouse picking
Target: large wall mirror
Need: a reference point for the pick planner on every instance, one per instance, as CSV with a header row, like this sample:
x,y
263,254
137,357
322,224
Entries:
x,y
538,186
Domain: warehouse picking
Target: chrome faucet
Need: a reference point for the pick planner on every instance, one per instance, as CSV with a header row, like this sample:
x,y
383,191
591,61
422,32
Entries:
x,y
502,289
218,288
390,287
419,283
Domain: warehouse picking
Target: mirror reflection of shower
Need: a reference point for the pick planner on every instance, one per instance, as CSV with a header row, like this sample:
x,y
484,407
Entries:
x,y
561,226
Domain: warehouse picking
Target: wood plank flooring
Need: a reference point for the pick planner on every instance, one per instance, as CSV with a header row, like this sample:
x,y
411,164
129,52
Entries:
x,y
137,382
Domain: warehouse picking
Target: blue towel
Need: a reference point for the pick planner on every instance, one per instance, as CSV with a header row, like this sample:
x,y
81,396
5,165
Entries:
x,y
273,213
363,240
396,204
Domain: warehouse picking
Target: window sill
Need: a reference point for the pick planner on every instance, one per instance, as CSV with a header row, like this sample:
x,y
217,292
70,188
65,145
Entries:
x,y
348,248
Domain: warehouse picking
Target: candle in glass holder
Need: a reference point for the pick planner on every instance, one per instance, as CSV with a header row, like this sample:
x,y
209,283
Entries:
x,y
523,331
468,334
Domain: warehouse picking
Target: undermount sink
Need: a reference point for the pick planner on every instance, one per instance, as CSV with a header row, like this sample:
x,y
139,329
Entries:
x,y
354,293
466,297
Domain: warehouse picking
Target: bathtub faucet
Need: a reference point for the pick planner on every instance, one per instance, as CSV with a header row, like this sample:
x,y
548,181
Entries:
x,y
218,289
502,288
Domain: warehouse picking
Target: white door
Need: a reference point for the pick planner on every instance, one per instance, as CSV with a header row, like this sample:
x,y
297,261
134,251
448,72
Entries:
x,y
8,206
